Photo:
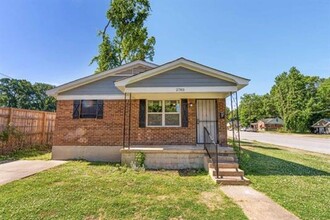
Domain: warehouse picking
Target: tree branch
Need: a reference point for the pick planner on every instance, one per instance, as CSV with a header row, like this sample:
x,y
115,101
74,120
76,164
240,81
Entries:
x,y
105,28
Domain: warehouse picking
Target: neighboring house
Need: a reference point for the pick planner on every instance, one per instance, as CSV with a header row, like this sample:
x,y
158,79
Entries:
x,y
141,106
322,126
267,124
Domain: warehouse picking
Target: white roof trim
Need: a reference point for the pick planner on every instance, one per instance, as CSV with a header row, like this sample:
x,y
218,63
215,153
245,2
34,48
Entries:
x,y
187,64
90,97
95,77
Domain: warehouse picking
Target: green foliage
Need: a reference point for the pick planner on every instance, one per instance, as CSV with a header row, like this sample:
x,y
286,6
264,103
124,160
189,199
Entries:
x,y
298,99
323,96
10,131
140,158
22,94
36,152
131,41
254,107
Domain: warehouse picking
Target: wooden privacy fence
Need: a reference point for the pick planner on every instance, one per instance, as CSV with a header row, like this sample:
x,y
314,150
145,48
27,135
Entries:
x,y
20,128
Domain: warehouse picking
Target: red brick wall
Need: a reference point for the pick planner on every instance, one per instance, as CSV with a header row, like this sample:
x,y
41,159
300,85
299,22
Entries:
x,y
222,124
98,132
273,127
109,130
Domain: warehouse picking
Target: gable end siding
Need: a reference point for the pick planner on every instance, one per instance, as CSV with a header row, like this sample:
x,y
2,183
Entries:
x,y
101,87
181,77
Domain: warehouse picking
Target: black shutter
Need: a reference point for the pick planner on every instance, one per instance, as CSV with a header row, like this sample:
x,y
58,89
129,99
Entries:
x,y
76,109
142,113
99,109
184,113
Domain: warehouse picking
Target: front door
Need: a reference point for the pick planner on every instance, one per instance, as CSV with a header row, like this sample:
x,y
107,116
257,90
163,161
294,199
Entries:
x,y
206,117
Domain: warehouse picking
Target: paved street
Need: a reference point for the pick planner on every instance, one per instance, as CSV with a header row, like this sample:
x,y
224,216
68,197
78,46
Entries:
x,y
320,145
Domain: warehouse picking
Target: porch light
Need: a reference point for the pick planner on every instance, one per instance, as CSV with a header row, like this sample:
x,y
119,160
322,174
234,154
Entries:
x,y
190,104
222,115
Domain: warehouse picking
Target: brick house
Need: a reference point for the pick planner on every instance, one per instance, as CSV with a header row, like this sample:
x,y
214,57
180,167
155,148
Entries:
x,y
322,126
267,124
141,106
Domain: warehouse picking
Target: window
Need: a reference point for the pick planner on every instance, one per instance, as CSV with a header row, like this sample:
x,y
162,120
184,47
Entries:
x,y
88,109
163,113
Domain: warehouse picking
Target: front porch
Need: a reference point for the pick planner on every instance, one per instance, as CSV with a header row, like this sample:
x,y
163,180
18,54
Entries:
x,y
176,157
166,156
173,156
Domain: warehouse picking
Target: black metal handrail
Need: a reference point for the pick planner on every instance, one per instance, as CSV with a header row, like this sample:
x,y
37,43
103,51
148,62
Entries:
x,y
212,150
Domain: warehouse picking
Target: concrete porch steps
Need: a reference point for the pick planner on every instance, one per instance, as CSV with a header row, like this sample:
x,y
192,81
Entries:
x,y
227,158
224,164
229,172
233,180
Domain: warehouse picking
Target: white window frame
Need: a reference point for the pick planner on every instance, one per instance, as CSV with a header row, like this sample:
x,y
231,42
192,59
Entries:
x,y
163,113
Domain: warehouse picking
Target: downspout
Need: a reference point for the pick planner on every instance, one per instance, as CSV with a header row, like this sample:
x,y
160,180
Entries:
x,y
129,121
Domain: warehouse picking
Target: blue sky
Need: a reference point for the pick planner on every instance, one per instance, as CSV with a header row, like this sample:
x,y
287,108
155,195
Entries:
x,y
53,41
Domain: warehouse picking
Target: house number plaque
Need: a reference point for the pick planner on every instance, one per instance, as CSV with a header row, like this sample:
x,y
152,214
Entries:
x,y
180,89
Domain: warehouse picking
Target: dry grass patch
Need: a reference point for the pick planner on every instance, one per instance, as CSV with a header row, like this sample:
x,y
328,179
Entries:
x,y
213,200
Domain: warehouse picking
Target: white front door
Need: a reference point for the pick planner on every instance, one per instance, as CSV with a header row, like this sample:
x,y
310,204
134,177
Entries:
x,y
206,117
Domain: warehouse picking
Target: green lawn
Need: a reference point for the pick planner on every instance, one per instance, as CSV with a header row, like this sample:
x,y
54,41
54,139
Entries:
x,y
297,180
83,190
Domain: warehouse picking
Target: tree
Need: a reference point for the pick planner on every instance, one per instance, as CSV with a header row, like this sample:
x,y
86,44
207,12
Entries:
x,y
255,107
131,41
323,96
15,93
296,99
250,109
22,94
268,107
40,100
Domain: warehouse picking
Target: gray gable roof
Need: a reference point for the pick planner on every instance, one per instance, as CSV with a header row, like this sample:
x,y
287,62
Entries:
x,y
272,121
179,73
181,76
324,122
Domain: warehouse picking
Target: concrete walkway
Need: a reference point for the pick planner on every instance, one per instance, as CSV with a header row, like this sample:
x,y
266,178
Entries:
x,y
256,205
16,170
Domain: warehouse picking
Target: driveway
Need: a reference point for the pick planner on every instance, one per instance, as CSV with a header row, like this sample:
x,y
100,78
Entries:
x,y
23,168
319,145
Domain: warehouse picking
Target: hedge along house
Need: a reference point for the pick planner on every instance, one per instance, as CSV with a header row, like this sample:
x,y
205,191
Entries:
x,y
160,110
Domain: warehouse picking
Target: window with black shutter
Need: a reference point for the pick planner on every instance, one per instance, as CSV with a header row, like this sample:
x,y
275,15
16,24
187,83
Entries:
x,y
163,113
88,109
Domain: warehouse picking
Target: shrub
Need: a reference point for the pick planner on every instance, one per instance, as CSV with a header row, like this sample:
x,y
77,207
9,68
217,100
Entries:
x,y
138,163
